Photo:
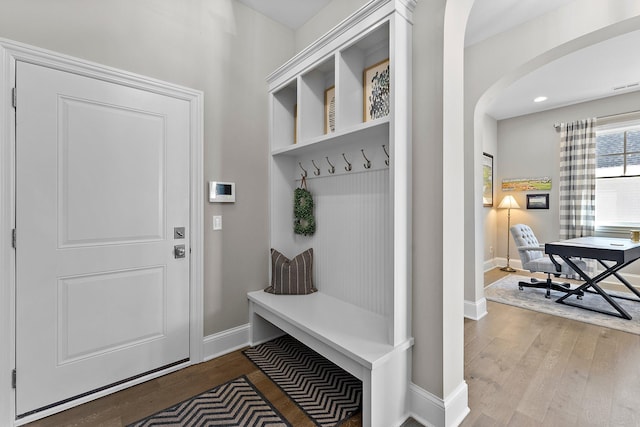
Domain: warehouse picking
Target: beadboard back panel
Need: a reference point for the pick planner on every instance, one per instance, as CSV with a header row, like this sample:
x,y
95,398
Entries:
x,y
352,244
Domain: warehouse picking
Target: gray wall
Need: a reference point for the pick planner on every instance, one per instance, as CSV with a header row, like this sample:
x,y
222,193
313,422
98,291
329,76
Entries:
x,y
227,50
528,146
218,46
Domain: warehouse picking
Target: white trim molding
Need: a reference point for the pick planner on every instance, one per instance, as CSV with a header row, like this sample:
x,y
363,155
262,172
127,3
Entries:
x,y
475,310
430,410
10,53
224,342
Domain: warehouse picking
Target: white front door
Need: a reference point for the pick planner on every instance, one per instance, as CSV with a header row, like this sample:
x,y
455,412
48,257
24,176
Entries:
x,y
102,179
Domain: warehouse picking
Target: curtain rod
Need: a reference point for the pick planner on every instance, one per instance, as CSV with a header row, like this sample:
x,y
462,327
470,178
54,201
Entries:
x,y
610,116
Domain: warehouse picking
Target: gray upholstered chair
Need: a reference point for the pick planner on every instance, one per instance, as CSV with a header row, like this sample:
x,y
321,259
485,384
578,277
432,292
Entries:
x,y
535,260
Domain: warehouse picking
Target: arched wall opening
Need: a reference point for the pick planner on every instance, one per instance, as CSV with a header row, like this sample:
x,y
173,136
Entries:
x,y
604,26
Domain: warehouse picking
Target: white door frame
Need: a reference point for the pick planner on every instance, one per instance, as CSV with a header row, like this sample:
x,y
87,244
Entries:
x,y
10,52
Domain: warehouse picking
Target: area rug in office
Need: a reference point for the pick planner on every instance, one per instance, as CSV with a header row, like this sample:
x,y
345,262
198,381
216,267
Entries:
x,y
325,392
234,404
506,291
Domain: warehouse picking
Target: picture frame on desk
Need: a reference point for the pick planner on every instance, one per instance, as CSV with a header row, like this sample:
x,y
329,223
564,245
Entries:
x,y
330,110
376,81
538,201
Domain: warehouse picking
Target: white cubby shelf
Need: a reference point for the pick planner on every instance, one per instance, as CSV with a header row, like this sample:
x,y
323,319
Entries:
x,y
360,316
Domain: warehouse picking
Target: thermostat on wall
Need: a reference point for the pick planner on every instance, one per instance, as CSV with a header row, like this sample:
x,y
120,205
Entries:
x,y
222,192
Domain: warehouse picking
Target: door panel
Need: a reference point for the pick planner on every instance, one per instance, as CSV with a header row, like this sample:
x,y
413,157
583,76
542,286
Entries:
x,y
86,159
102,177
108,302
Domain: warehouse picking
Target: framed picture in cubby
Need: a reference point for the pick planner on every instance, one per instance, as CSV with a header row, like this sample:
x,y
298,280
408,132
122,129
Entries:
x,y
330,110
295,124
376,91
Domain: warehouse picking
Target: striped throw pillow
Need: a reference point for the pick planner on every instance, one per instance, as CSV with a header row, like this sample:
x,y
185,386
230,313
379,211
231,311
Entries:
x,y
291,277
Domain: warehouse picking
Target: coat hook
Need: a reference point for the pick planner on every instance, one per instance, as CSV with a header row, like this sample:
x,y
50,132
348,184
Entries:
x,y
368,164
332,170
348,167
303,169
386,162
317,171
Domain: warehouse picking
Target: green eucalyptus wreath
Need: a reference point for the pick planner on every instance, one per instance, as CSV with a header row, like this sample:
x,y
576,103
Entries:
x,y
304,222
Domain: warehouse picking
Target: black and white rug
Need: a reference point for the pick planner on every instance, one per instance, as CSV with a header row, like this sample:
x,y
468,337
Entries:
x,y
506,291
234,404
325,392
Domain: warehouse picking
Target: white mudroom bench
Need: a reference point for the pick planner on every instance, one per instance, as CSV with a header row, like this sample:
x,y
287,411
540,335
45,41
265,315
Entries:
x,y
349,336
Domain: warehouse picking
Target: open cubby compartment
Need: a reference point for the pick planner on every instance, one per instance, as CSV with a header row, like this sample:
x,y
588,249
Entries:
x,y
313,85
284,114
370,49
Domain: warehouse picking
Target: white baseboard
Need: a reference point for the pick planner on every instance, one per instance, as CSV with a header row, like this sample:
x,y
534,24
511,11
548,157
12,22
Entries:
x,y
431,411
489,264
475,310
224,342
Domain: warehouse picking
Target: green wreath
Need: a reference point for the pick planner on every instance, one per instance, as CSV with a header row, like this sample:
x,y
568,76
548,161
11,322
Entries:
x,y
304,222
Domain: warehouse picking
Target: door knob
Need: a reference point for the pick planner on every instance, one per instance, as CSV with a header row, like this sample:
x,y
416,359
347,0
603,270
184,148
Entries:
x,y
179,251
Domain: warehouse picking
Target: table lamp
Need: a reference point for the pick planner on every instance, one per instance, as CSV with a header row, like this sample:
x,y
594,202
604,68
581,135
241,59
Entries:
x,y
508,203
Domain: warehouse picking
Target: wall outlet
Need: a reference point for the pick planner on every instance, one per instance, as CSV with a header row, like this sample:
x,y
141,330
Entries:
x,y
217,222
491,250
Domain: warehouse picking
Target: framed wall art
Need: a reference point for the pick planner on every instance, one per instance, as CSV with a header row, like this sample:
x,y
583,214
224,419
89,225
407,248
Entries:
x,y
330,110
376,91
538,201
526,184
487,180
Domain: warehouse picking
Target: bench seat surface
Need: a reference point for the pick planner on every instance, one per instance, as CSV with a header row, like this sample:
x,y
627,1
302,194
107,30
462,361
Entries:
x,y
359,334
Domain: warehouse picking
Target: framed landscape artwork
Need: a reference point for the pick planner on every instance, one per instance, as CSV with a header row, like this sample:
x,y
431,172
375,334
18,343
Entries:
x,y
487,180
376,91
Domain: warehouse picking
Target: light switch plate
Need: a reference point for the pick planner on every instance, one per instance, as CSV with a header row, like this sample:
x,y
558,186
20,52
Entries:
x,y
217,222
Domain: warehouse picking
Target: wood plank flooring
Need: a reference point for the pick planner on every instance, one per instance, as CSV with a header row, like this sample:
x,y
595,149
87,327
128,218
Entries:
x,y
523,368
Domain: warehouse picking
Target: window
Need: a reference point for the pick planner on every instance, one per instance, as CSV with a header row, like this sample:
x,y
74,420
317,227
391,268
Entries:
x,y
618,175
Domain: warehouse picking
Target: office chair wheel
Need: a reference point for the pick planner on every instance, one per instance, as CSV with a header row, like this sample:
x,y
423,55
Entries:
x,y
521,287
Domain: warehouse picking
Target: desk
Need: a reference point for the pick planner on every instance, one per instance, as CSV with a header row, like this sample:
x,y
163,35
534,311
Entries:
x,y
612,254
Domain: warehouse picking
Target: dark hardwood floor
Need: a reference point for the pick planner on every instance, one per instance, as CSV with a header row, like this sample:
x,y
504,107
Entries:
x,y
523,368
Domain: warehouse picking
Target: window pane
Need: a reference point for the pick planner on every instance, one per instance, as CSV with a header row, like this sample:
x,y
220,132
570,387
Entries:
x,y
617,201
633,164
609,165
610,143
633,141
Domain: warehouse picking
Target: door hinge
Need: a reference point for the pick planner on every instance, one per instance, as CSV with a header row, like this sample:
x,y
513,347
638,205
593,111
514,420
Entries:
x,y
13,379
13,238
14,97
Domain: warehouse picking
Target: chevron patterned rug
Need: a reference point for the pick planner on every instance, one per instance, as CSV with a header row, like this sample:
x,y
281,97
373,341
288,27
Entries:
x,y
326,393
234,404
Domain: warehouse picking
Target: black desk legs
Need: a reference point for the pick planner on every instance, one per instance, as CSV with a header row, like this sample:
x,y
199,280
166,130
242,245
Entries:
x,y
624,282
593,283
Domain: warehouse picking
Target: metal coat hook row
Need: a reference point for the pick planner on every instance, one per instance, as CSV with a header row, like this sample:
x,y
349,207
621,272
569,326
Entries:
x,y
348,167
331,170
303,169
317,171
368,164
386,162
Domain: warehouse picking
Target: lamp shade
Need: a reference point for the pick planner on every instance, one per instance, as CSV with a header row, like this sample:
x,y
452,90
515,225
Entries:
x,y
509,202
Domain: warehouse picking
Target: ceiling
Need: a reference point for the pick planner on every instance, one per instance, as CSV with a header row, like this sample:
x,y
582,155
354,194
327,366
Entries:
x,y
584,75
290,13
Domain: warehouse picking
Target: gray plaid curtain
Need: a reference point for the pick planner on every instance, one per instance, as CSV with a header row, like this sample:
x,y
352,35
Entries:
x,y
577,178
